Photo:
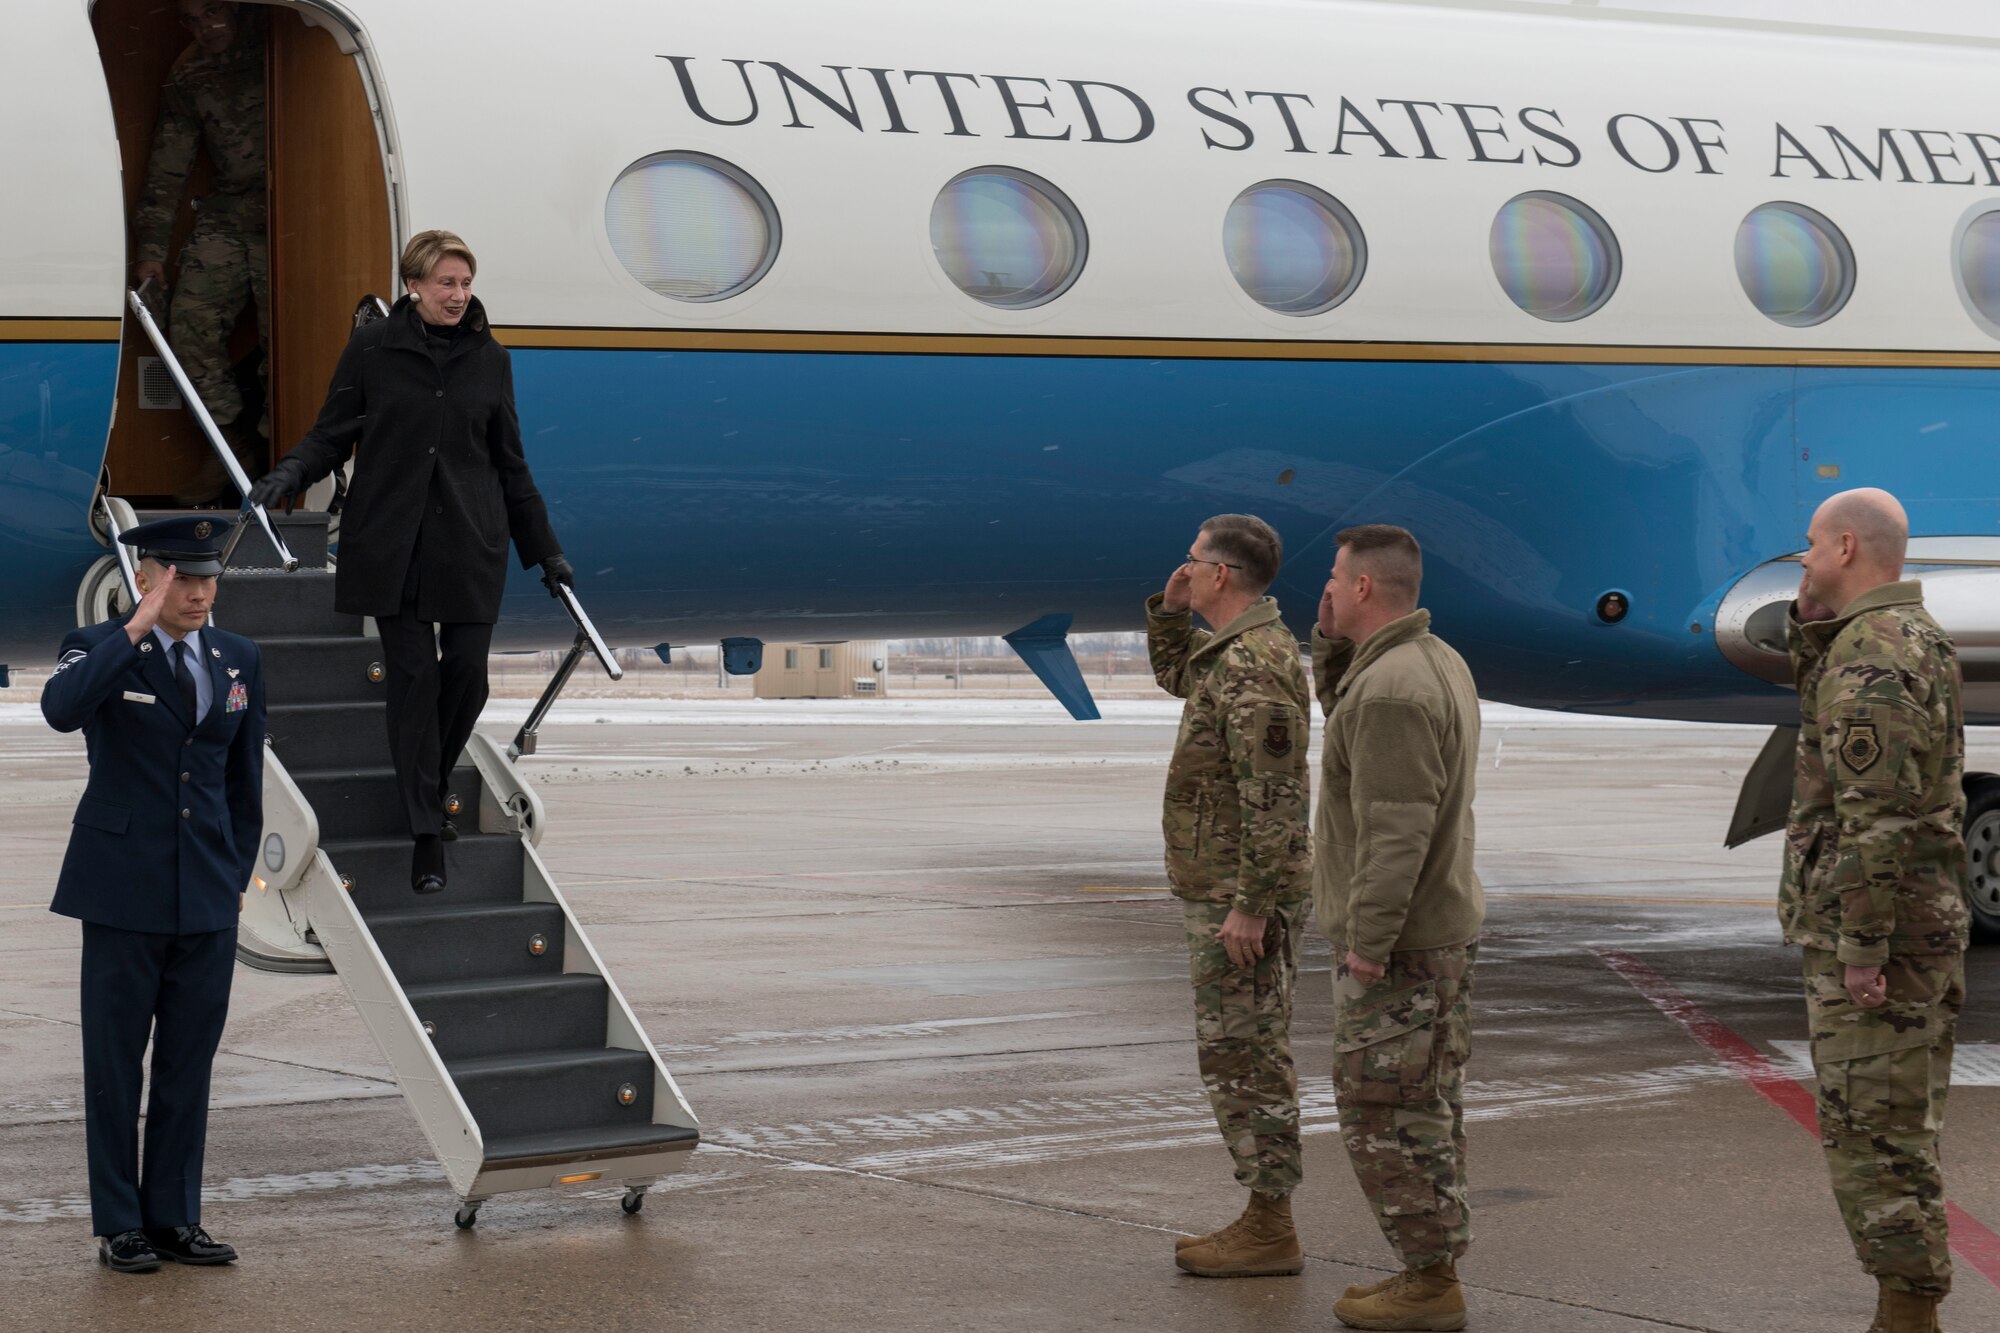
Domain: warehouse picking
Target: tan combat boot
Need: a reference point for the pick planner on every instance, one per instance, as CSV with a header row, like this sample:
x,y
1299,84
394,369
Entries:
x,y
1427,1300
1189,1242
1261,1243
1360,1289
1908,1312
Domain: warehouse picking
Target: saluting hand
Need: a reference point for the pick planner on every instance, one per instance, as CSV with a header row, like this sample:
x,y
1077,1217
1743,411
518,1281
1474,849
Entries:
x,y
147,613
1328,628
1175,599
1811,609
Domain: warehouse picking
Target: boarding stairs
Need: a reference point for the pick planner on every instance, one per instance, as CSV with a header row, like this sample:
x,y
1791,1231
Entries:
x,y
523,1062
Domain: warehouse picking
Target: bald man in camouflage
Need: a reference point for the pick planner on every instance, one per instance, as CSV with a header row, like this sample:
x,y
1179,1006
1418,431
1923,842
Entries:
x,y
1239,856
214,100
1874,889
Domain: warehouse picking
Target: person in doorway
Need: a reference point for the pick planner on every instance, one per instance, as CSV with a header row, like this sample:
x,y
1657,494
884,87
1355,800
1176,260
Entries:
x,y
214,102
424,402
160,852
1239,856
1874,890
1395,890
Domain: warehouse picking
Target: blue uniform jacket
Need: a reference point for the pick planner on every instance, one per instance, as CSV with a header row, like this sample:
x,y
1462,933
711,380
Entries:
x,y
167,832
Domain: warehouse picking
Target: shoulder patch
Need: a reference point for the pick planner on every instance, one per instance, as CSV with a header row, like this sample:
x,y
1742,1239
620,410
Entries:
x,y
1278,739
1861,749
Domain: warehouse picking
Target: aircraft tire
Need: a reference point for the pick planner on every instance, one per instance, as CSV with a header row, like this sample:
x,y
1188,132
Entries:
x,y
1982,846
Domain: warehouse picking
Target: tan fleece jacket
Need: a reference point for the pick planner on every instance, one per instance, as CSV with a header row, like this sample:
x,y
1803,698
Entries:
x,y
1393,834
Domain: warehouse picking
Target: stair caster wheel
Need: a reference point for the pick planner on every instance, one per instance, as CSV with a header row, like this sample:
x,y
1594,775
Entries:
x,y
467,1214
633,1201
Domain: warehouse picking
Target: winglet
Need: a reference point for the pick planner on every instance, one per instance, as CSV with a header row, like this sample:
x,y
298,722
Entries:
x,y
1044,646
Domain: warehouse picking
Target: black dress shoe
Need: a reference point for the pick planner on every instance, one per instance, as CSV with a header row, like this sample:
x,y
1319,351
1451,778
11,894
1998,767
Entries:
x,y
448,830
427,864
128,1252
189,1245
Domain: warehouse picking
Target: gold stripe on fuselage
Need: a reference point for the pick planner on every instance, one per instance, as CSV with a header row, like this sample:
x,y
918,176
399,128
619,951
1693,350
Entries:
x,y
24,329
1219,349
29,329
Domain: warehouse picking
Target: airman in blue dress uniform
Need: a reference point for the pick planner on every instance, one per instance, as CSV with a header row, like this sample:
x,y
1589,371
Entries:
x,y
161,849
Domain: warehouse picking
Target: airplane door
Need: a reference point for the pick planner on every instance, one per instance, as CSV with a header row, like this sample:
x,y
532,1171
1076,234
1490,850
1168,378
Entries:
x,y
62,255
331,237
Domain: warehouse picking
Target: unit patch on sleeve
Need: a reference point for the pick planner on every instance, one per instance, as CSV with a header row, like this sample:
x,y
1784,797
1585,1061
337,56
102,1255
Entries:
x,y
1862,749
1278,739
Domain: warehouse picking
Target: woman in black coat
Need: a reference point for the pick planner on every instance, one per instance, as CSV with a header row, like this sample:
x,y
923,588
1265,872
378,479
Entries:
x,y
424,400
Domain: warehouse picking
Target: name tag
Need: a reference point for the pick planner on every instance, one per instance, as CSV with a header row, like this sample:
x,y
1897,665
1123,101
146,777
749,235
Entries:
x,y
239,698
135,697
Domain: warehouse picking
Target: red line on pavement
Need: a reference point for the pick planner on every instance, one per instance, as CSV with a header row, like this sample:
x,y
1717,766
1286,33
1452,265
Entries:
x,y
1970,1238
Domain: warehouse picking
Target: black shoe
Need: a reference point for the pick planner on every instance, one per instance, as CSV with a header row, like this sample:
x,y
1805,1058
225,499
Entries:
x,y
128,1252
448,830
189,1245
427,864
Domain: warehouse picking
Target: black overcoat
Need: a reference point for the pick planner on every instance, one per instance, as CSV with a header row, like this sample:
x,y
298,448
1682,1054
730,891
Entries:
x,y
439,473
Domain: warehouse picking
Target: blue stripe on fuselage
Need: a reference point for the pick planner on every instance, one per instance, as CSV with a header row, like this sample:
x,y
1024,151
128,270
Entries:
x,y
55,415
829,496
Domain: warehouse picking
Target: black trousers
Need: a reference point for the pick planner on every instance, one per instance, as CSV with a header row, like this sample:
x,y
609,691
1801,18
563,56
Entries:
x,y
175,990
437,685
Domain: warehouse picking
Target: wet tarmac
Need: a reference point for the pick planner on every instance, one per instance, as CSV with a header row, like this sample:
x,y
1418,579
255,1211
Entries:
x,y
913,966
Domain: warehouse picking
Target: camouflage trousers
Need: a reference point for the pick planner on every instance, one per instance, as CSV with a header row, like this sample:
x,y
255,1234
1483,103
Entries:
x,y
1882,1077
1399,1076
222,267
1242,1030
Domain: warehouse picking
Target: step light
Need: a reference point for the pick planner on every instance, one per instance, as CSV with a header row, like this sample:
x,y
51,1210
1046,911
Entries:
x,y
375,672
538,945
627,1094
578,1180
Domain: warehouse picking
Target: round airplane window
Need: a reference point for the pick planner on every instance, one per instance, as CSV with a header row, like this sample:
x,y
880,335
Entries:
x,y
1294,248
1555,258
691,226
1979,265
1794,265
1007,238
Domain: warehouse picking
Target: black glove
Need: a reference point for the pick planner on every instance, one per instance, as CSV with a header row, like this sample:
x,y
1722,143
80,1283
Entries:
x,y
271,488
556,570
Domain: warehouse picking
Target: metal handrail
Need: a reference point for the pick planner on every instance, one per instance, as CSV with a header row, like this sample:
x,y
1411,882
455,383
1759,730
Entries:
x,y
586,637
286,560
120,550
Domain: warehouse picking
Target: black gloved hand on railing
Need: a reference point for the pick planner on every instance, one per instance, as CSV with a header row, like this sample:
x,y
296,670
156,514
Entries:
x,y
557,570
275,485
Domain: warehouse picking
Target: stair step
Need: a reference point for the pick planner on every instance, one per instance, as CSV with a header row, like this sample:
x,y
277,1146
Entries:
x,y
479,868
555,1092
304,533
321,670
441,942
583,1145
495,1016
327,737
365,803
267,604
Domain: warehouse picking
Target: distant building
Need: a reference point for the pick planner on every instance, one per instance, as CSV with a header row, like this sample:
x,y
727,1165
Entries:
x,y
824,670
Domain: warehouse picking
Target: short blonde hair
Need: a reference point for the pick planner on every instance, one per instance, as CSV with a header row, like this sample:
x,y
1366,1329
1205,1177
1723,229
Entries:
x,y
427,249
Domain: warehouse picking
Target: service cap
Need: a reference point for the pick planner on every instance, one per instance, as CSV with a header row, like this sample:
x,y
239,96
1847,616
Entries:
x,y
193,545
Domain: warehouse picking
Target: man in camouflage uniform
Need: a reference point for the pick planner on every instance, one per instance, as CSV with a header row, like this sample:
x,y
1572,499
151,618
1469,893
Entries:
x,y
214,100
1873,888
1240,858
1396,893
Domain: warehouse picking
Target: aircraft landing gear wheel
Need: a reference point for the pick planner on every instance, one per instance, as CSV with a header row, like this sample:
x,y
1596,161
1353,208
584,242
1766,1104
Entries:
x,y
467,1214
634,1200
1982,851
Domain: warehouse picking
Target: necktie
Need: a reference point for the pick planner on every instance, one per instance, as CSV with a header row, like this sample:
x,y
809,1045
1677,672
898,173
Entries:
x,y
185,679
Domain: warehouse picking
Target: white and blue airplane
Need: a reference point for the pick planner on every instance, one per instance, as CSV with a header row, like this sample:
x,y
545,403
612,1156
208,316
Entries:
x,y
836,321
